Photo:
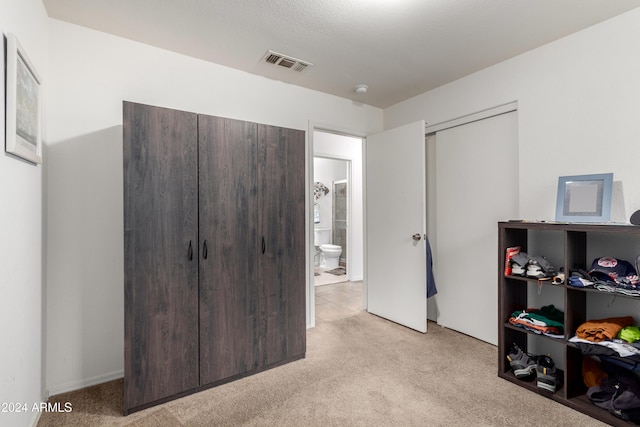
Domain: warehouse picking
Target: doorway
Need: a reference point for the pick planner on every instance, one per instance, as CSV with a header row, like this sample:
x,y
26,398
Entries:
x,y
337,214
330,177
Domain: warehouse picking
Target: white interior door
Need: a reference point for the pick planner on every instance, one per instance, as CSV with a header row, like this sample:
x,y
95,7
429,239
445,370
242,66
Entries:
x,y
395,271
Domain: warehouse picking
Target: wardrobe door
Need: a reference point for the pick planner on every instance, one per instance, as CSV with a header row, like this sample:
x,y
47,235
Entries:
x,y
228,242
160,253
281,166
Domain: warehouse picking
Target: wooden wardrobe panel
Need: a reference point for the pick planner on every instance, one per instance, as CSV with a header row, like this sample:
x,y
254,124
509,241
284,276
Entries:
x,y
160,270
281,193
228,270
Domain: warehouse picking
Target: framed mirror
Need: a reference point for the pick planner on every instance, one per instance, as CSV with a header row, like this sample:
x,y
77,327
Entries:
x,y
584,198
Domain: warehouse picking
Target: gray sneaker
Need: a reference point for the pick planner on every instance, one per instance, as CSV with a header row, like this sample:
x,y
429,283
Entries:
x,y
522,364
546,374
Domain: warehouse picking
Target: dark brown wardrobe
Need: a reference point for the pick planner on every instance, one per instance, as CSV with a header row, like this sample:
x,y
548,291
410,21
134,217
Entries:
x,y
214,251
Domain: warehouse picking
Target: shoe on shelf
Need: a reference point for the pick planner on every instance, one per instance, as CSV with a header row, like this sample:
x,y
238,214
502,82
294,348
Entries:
x,y
534,270
522,365
546,374
518,270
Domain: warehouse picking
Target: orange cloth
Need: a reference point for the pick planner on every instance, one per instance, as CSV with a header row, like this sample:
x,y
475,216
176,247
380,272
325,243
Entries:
x,y
591,372
542,329
603,329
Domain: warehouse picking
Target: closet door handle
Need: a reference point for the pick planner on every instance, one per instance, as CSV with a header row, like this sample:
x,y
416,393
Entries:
x,y
190,251
205,252
264,245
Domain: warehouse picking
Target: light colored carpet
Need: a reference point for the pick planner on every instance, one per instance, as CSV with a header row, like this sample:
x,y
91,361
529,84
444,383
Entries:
x,y
359,371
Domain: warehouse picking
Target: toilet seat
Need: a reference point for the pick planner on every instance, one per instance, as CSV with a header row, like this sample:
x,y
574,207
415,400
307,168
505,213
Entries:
x,y
330,247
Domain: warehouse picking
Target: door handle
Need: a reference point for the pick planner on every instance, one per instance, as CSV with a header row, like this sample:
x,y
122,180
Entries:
x,y
264,246
416,237
205,252
190,251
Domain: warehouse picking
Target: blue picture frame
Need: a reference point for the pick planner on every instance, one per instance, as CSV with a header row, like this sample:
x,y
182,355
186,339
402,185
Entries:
x,y
584,198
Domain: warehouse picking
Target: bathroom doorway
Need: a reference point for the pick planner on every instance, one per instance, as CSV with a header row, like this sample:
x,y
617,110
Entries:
x,y
338,212
330,217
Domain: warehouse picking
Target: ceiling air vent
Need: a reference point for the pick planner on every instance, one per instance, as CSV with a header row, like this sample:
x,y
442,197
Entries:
x,y
294,64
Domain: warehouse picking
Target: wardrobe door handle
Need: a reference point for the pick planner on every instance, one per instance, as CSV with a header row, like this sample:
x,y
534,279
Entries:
x,y
190,252
264,246
205,252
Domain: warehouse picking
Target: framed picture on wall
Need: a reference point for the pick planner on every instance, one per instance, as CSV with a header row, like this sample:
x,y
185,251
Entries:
x,y
23,99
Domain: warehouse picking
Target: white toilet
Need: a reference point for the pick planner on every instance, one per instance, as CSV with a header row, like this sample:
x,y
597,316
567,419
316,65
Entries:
x,y
330,253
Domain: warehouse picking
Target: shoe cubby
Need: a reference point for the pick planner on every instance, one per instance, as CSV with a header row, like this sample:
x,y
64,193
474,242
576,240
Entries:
x,y
566,246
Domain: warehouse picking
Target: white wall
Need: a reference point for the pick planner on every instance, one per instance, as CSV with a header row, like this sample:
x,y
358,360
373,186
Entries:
x,y
91,74
348,148
577,111
21,248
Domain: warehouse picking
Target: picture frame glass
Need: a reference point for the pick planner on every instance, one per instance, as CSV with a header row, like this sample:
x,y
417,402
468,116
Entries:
x,y
23,104
27,98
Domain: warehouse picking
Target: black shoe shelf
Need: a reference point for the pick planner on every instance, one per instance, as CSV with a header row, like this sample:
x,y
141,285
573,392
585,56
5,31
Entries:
x,y
566,245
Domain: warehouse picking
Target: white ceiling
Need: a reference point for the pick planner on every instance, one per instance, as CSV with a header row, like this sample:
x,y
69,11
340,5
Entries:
x,y
399,48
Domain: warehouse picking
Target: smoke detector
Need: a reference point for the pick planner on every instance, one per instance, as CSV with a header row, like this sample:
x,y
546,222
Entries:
x,y
285,61
360,89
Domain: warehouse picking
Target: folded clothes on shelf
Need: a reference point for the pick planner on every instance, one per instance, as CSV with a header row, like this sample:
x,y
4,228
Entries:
x,y
630,334
615,270
603,329
546,320
617,347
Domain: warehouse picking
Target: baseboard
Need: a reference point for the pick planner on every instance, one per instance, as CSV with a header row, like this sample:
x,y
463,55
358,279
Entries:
x,y
36,420
128,411
356,279
86,382
311,325
43,398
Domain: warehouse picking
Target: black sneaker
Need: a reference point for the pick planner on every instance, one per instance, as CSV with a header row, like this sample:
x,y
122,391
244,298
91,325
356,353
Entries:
x,y
546,374
522,365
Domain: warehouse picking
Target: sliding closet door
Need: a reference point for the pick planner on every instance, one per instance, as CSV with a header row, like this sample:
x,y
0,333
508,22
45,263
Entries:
x,y
281,192
160,253
470,234
228,248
